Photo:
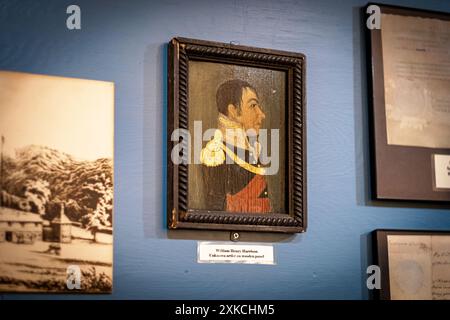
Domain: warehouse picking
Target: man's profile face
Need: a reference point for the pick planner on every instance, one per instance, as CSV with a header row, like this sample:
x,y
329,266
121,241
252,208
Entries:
x,y
251,115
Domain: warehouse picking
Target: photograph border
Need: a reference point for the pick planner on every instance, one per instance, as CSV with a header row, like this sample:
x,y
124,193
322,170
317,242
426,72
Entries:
x,y
179,216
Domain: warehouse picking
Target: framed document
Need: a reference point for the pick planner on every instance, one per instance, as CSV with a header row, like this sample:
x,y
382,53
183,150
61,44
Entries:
x,y
414,265
409,59
236,138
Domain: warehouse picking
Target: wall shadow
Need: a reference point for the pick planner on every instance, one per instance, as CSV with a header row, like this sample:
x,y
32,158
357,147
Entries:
x,y
154,142
361,110
244,236
366,255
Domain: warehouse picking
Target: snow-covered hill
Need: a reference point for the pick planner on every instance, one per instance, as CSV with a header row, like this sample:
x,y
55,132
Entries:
x,y
85,187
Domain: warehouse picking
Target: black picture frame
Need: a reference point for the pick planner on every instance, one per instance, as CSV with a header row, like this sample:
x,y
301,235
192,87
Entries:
x,y
179,215
399,173
380,255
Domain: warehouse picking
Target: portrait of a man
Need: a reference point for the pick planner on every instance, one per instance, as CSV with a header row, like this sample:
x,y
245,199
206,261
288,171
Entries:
x,y
239,104
240,116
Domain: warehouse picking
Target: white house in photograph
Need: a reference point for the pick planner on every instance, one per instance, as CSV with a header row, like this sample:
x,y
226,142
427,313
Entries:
x,y
26,227
20,226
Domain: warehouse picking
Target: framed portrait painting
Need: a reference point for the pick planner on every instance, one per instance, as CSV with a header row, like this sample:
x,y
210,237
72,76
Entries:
x,y
236,138
414,265
409,61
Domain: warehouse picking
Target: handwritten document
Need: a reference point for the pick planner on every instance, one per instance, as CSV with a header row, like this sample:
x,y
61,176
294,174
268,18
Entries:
x,y
419,267
416,62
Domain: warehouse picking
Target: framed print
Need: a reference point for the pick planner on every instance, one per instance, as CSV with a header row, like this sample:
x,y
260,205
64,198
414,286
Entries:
x,y
414,265
409,94
56,184
236,138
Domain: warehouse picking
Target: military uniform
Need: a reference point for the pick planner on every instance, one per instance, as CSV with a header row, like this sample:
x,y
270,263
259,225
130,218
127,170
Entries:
x,y
233,176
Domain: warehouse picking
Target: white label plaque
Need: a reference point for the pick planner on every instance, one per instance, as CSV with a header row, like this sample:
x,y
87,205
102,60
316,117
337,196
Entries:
x,y
224,252
442,171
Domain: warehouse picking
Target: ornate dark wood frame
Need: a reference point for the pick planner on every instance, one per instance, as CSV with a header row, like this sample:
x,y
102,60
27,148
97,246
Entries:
x,y
181,50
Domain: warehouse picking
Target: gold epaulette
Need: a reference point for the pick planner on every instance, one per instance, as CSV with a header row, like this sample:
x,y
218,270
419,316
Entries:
x,y
212,155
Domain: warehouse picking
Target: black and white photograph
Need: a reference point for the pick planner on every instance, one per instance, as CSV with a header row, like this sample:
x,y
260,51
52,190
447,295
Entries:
x,y
56,184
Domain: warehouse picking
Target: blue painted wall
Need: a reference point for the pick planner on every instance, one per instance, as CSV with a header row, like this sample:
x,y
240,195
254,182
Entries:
x,y
124,42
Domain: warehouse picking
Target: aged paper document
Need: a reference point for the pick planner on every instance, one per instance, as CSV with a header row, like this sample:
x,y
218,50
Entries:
x,y
419,267
441,267
416,63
